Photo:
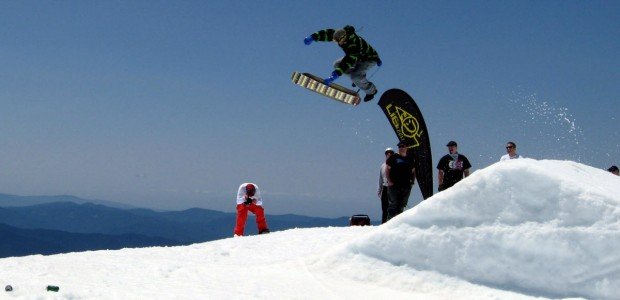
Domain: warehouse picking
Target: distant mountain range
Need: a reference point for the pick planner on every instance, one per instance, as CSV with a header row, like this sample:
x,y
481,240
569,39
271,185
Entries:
x,y
59,224
20,242
14,200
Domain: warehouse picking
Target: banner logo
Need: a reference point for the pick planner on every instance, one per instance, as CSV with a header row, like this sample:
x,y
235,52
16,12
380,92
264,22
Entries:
x,y
406,125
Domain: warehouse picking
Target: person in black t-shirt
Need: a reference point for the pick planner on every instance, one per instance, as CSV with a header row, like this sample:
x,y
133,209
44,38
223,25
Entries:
x,y
452,167
401,177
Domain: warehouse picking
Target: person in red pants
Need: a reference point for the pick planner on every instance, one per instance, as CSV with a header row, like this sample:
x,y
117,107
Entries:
x,y
248,199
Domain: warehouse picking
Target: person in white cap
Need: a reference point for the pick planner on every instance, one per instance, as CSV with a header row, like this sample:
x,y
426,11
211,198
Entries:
x,y
382,191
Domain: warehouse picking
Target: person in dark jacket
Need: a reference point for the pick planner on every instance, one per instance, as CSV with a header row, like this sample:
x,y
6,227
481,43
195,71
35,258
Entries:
x,y
401,178
359,57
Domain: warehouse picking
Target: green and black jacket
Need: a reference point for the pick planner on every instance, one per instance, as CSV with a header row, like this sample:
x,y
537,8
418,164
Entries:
x,y
356,49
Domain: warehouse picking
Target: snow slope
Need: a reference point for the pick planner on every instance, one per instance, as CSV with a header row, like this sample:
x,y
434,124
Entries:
x,y
516,230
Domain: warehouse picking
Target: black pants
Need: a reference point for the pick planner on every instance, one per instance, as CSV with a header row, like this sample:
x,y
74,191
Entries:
x,y
384,204
399,196
446,185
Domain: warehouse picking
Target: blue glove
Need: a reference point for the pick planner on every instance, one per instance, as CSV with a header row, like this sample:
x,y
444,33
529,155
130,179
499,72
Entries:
x,y
308,40
379,63
328,81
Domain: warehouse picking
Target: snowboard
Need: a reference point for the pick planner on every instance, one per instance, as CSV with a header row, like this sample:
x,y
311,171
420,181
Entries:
x,y
333,91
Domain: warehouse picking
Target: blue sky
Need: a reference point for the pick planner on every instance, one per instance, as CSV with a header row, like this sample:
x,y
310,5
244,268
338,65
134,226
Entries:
x,y
173,104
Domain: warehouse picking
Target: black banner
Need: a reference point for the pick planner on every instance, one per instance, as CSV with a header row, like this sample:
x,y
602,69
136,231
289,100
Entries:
x,y
406,119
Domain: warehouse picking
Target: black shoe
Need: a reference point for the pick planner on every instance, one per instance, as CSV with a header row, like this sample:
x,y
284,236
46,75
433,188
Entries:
x,y
369,97
264,231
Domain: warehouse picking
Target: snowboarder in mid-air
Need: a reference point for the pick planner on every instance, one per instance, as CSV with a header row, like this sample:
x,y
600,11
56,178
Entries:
x,y
359,57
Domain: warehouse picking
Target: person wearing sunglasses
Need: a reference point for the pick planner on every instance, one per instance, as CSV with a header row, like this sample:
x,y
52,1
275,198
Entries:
x,y
359,57
511,152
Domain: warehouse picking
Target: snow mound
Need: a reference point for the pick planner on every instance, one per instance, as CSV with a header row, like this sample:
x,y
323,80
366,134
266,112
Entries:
x,y
540,228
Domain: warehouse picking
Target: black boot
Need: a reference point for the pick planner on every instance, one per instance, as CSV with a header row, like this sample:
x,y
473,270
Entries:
x,y
369,97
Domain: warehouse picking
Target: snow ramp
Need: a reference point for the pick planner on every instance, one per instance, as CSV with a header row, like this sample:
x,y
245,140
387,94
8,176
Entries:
x,y
536,228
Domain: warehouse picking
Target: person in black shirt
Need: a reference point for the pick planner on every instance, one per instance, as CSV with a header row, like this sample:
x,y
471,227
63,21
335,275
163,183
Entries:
x,y
452,167
401,177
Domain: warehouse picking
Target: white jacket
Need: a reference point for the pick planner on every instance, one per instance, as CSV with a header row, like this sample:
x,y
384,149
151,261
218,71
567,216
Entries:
x,y
507,157
241,194
383,181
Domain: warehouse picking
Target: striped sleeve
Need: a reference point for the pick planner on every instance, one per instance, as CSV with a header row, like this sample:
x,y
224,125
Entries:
x,y
325,35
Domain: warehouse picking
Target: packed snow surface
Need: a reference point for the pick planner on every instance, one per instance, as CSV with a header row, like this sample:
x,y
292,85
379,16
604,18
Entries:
x,y
515,230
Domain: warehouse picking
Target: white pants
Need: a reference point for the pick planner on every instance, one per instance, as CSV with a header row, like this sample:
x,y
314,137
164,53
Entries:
x,y
358,75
